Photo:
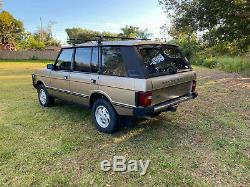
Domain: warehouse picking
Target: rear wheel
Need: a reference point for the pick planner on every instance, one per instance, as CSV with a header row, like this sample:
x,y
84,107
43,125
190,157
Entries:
x,y
43,96
104,116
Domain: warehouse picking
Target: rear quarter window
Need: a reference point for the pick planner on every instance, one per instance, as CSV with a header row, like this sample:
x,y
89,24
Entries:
x,y
112,61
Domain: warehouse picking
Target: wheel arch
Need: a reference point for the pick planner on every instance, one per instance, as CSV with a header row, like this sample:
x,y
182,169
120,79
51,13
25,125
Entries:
x,y
97,95
38,83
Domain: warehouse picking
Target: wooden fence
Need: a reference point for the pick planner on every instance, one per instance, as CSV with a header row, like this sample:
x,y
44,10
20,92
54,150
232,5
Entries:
x,y
25,55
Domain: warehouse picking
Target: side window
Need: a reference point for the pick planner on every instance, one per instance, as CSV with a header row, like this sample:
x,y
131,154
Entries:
x,y
94,61
64,60
82,59
112,61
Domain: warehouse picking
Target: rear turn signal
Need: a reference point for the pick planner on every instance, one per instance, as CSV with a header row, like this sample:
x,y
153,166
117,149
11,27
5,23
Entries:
x,y
193,86
144,99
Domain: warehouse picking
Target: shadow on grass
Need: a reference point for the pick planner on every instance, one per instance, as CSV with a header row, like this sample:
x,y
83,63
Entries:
x,y
163,128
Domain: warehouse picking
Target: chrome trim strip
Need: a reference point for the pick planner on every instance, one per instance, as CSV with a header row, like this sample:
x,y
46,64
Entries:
x,y
67,92
42,76
116,87
123,104
78,94
83,95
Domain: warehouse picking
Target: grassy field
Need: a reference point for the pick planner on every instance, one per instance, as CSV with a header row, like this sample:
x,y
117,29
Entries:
x,y
236,64
205,143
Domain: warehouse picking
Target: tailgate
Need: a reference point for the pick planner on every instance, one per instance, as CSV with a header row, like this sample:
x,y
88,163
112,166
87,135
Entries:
x,y
171,86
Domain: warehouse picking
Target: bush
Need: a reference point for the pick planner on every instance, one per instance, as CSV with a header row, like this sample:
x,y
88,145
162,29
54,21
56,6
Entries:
x,y
34,58
210,63
240,64
235,64
198,59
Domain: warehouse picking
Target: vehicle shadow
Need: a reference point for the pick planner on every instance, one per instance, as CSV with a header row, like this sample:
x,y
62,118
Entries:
x,y
145,129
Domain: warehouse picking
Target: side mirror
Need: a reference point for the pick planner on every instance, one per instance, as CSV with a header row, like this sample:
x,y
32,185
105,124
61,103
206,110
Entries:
x,y
50,66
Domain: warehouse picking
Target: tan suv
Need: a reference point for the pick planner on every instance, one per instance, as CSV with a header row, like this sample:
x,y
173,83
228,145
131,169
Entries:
x,y
118,78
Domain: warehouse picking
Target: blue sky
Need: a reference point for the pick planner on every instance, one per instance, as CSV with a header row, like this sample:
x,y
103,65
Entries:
x,y
108,15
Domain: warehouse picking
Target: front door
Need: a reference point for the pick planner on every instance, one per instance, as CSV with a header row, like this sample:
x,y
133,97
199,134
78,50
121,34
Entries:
x,y
60,76
84,77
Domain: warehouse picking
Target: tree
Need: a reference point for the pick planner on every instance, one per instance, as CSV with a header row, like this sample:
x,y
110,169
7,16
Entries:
x,y
76,35
11,29
188,42
130,31
216,20
29,42
135,32
144,34
45,36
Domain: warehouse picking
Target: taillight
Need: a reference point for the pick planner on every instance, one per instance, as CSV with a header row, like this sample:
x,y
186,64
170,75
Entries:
x,y
193,86
144,98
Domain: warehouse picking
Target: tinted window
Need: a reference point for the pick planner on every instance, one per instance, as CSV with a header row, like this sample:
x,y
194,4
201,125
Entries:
x,y
82,59
172,53
131,61
94,62
64,60
112,61
162,60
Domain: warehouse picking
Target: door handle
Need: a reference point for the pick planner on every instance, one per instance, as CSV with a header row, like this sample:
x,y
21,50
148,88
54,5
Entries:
x,y
93,81
66,77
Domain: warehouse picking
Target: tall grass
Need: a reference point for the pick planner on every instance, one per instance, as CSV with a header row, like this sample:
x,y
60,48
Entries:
x,y
239,64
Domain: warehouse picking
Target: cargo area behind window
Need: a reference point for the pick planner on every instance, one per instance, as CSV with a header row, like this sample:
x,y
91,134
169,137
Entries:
x,y
162,60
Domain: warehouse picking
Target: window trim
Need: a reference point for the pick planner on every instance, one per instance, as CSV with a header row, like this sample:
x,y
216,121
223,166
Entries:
x,y
59,54
90,69
74,60
98,60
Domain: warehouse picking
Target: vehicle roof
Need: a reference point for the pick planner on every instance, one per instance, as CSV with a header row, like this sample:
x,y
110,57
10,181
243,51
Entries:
x,y
119,43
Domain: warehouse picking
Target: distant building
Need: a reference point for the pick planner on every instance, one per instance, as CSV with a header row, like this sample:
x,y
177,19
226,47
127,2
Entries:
x,y
7,47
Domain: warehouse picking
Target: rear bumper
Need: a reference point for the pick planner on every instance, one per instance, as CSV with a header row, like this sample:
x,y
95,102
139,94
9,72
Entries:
x,y
163,107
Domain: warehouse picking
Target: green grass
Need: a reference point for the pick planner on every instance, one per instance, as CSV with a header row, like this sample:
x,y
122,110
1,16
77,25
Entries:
x,y
239,65
28,60
205,143
236,64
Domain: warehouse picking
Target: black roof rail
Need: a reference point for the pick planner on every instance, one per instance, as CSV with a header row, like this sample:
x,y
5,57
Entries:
x,y
99,39
120,37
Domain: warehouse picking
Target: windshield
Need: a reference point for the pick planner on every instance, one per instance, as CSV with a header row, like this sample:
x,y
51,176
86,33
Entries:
x,y
162,60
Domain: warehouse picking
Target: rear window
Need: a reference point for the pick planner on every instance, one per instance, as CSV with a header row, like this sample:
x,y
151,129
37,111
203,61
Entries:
x,y
162,60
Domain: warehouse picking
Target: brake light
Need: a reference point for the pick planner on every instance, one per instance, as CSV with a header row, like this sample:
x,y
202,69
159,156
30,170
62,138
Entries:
x,y
193,86
144,98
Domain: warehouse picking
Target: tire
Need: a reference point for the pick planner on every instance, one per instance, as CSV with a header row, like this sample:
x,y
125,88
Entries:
x,y
104,116
43,96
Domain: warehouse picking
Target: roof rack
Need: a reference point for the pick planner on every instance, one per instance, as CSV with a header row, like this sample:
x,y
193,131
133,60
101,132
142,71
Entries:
x,y
99,39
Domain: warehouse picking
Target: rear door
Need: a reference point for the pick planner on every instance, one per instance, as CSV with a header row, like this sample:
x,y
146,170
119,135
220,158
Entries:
x,y
167,71
171,86
60,75
84,77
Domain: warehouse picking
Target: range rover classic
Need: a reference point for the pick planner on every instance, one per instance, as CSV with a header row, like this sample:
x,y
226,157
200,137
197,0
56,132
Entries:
x,y
132,78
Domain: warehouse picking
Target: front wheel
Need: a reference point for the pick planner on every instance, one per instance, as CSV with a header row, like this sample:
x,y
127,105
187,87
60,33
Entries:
x,y
43,96
104,116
